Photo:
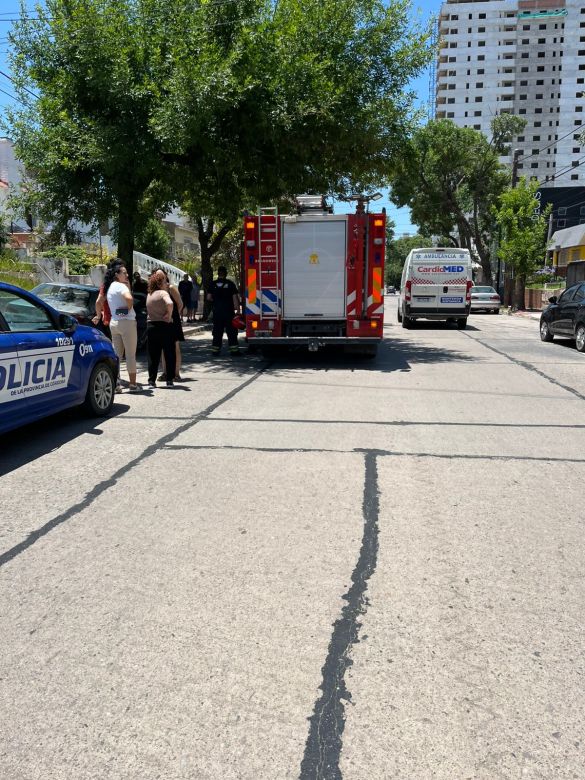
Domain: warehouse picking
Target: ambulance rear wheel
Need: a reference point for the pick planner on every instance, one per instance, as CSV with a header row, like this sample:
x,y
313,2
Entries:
x,y
99,398
399,314
406,321
462,323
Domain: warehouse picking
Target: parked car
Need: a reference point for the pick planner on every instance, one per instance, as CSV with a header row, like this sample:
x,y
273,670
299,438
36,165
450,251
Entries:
x,y
49,362
79,301
391,290
484,298
565,316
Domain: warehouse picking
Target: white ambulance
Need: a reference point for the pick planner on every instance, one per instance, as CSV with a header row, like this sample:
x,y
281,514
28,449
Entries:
x,y
436,285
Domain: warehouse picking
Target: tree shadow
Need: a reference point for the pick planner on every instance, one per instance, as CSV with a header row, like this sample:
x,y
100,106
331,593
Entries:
x,y
26,444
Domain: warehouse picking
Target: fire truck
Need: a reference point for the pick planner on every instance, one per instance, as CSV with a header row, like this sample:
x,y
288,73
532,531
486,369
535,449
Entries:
x,y
313,278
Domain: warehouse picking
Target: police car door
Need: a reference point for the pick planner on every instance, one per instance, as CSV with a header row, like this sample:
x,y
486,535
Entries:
x,y
47,379
12,406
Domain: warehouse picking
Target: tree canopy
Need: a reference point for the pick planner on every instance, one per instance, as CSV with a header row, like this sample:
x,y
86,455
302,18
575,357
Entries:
x,y
222,104
523,230
451,177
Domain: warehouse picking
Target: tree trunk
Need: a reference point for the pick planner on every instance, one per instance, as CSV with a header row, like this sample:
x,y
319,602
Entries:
x,y
519,288
126,228
209,245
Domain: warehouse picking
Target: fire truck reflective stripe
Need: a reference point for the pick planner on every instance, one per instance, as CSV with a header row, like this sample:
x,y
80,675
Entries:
x,y
351,303
251,292
269,302
351,298
377,284
379,310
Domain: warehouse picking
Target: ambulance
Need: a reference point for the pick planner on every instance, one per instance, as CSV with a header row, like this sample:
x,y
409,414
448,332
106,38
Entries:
x,y
436,285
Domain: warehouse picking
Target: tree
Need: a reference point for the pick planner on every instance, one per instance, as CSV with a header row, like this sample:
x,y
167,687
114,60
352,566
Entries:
x,y
524,231
154,239
225,104
451,178
397,251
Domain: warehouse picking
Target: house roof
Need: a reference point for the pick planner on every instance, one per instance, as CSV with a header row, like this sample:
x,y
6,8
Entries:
x,y
568,237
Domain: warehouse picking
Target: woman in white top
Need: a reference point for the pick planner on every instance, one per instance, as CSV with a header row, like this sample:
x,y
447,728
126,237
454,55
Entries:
x,y
123,322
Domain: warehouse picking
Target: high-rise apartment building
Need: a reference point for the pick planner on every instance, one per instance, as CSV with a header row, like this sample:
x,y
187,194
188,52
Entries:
x,y
524,57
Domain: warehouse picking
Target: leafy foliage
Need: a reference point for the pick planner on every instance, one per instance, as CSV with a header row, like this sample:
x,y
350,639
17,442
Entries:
x,y
154,240
222,104
451,178
79,260
397,251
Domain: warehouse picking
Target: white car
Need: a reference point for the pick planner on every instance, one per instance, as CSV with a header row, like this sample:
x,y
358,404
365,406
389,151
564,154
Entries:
x,y
484,298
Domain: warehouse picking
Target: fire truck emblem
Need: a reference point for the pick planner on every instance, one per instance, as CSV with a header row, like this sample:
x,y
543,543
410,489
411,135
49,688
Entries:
x,y
314,258
269,249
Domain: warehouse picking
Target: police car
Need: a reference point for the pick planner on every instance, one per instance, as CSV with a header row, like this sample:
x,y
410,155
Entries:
x,y
48,362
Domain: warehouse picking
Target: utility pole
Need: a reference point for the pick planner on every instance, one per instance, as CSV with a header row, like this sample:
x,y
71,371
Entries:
x,y
508,276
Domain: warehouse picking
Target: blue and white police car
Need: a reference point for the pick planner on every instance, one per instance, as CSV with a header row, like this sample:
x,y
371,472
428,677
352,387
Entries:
x,y
48,362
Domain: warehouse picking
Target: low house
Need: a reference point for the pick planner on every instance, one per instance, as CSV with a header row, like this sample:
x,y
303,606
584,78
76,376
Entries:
x,y
566,246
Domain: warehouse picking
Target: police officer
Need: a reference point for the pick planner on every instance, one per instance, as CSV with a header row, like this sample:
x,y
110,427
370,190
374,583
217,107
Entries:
x,y
225,300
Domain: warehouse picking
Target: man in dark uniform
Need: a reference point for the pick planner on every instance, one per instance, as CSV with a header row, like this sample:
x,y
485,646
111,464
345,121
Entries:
x,y
225,300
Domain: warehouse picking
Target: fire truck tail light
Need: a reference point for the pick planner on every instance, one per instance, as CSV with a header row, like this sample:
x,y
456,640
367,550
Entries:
x,y
373,324
378,223
254,325
250,225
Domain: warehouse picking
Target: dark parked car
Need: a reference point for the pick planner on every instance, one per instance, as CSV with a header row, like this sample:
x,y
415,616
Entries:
x,y
78,300
565,316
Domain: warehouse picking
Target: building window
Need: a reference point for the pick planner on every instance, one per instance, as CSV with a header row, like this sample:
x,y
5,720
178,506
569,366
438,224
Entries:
x,y
454,17
542,54
534,165
524,69
452,59
540,68
481,43
481,16
453,45
535,151
479,84
540,82
523,97
480,29
525,40
477,127
542,26
450,100
524,55
480,71
536,138
450,115
480,57
575,164
538,110
542,40
574,176
539,95
477,113
479,99
538,124
520,138
521,110
562,211
576,149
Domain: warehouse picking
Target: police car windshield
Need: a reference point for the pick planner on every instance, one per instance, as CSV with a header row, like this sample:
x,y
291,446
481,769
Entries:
x,y
63,294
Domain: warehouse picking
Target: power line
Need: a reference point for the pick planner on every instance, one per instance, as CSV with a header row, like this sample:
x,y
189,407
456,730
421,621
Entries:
x,y
26,89
566,170
544,148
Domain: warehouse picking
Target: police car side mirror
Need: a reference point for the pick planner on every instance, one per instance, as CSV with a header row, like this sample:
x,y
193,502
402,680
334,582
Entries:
x,y
67,323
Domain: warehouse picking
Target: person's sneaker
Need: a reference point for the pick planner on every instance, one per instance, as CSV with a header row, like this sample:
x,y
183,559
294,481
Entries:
x,y
152,385
162,378
178,378
118,388
170,384
134,388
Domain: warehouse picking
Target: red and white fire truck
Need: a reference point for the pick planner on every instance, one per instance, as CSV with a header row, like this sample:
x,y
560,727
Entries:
x,y
314,278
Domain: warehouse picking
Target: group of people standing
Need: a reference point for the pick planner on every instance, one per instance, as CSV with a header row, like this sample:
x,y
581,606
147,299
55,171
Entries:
x,y
165,307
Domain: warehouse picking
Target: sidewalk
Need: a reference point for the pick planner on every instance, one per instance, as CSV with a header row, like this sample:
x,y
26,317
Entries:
x,y
530,314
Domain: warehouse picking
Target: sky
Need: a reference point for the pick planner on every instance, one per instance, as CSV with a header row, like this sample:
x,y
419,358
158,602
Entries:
x,y
420,10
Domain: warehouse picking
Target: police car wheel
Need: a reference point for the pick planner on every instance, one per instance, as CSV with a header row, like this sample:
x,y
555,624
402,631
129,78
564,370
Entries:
x,y
99,398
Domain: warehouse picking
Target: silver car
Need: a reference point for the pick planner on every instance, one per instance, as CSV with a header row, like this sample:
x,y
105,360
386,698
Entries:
x,y
485,299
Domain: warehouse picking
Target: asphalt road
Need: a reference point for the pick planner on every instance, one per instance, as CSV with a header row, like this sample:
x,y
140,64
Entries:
x,y
314,567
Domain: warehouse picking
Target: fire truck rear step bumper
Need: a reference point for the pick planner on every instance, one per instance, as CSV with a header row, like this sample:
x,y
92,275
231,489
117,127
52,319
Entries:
x,y
321,341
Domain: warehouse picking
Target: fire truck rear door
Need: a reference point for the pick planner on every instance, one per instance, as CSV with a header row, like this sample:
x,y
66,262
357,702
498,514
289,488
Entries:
x,y
314,277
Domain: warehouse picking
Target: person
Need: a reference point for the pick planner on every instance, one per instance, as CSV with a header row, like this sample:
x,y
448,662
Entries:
x,y
159,327
225,301
185,290
177,332
123,319
139,285
194,298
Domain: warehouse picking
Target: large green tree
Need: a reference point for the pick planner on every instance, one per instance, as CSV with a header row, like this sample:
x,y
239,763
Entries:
x,y
225,104
397,250
523,230
451,177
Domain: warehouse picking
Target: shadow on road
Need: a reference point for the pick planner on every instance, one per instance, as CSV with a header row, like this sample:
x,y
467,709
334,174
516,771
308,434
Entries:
x,y
30,442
